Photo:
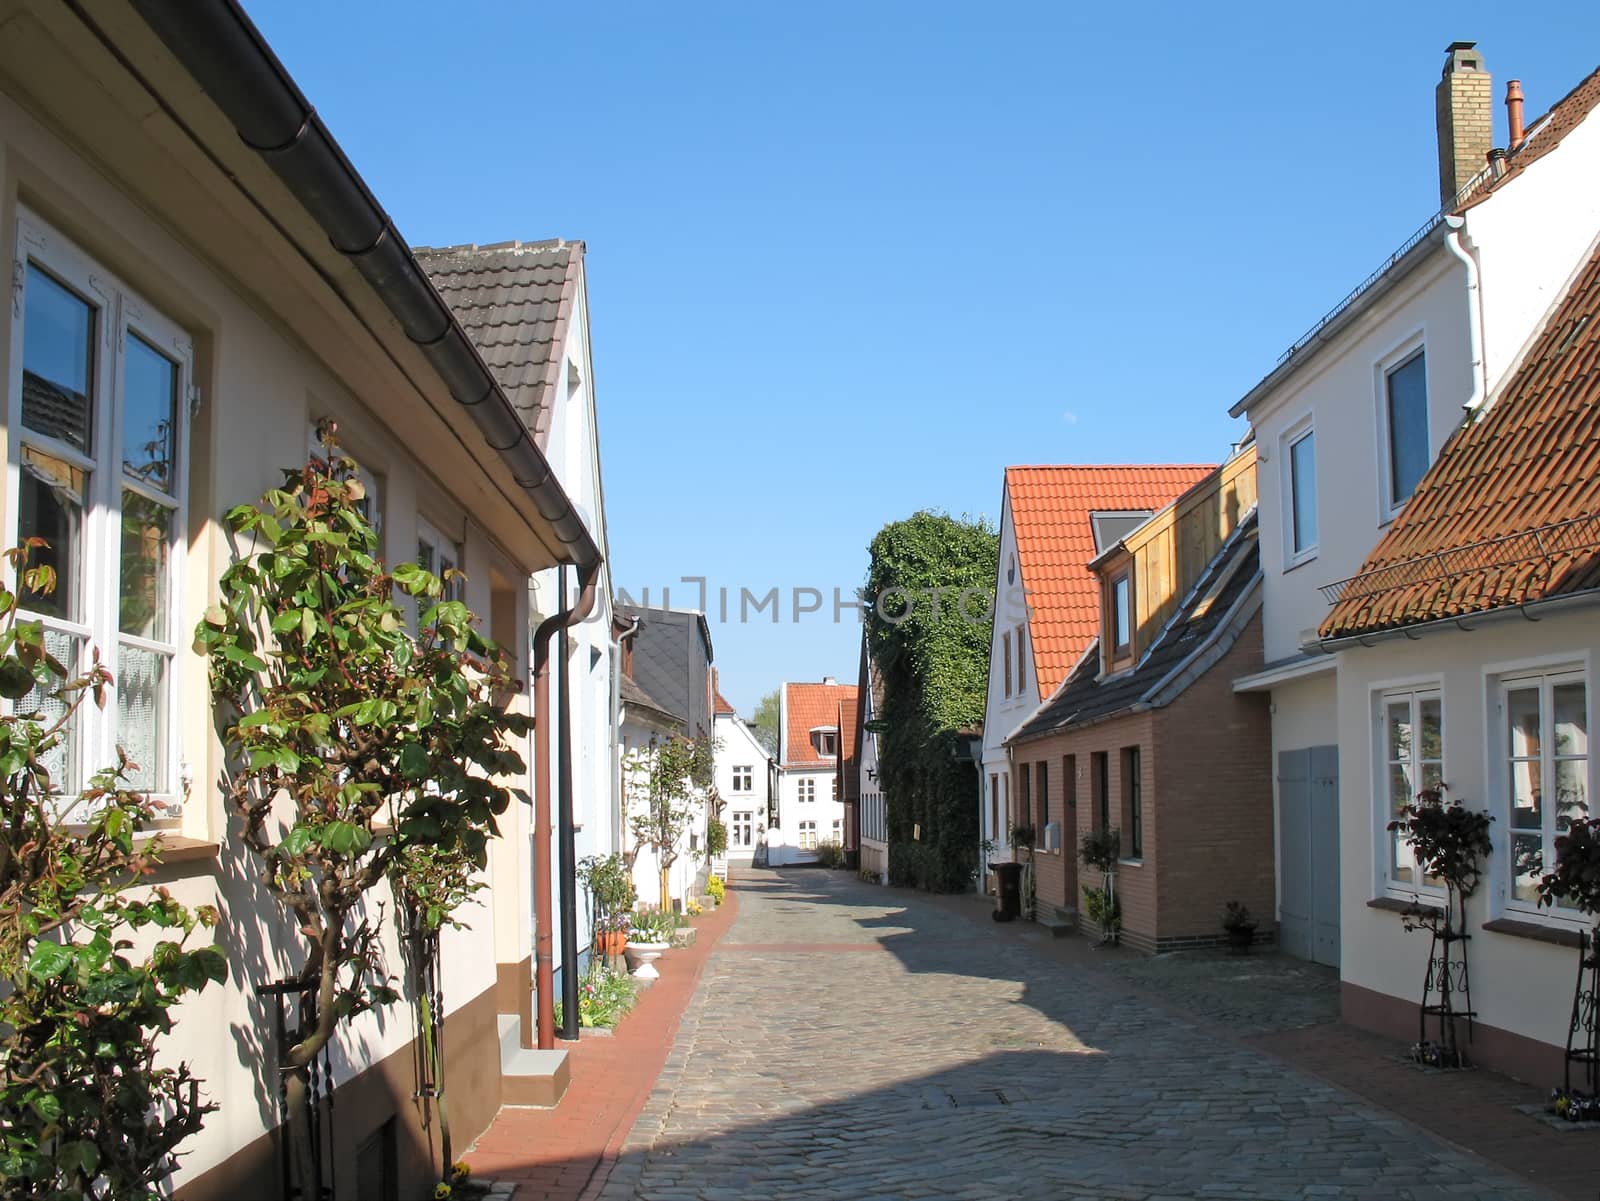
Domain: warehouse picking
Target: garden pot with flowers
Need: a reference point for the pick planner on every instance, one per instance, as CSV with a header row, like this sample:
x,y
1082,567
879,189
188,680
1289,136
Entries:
x,y
651,937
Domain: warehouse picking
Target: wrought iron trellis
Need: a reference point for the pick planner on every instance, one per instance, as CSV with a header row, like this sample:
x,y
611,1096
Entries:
x,y
319,1091
1445,982
423,947
1583,1032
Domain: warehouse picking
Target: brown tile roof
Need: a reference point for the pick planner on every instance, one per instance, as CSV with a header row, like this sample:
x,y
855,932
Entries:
x,y
1050,508
722,708
1545,134
1510,512
807,706
515,301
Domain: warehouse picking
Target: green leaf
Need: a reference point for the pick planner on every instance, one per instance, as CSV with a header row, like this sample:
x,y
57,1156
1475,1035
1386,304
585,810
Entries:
x,y
345,838
49,960
297,841
413,761
47,1106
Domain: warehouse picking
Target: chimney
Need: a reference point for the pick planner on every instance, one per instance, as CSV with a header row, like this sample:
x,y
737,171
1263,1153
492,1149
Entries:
x,y
1464,108
829,680
1514,113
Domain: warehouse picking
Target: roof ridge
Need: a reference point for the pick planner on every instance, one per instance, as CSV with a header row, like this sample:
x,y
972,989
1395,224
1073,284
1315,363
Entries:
x,y
1101,466
488,247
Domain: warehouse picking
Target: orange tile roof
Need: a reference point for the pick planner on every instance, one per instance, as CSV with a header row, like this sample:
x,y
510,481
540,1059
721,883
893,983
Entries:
x,y
1510,512
1050,508
1545,134
722,708
807,706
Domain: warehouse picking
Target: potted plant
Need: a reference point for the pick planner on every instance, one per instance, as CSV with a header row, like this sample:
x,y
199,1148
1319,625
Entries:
x,y
1240,925
611,897
650,938
1575,882
1101,849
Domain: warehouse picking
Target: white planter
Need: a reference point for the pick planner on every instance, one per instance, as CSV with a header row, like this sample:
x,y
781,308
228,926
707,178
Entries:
x,y
641,958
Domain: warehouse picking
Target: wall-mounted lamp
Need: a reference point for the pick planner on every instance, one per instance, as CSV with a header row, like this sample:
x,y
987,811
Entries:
x,y
872,773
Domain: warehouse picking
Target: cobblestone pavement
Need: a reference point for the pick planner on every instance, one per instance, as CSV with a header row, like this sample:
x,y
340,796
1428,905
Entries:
x,y
846,1041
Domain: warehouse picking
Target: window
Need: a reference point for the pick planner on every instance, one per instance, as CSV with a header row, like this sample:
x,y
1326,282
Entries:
x,y
808,836
825,742
1303,494
1005,643
371,504
1004,832
837,837
1099,771
833,789
994,805
743,779
1413,762
1042,792
808,790
1069,781
1022,658
99,406
1406,427
1546,754
1133,802
743,831
441,557
1121,615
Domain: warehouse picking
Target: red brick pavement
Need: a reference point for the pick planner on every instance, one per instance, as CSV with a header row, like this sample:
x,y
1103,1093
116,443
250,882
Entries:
x,y
566,1153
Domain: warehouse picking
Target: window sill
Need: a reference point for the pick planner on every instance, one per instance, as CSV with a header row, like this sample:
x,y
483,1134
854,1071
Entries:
x,y
178,849
1396,905
1139,862
1295,564
1535,931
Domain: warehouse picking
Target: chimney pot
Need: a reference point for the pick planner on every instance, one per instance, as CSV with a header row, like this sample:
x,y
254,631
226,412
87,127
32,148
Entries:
x,y
1514,112
1497,162
1464,111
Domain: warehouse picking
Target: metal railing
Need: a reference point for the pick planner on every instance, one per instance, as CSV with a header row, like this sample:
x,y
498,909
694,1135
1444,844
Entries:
x,y
1542,544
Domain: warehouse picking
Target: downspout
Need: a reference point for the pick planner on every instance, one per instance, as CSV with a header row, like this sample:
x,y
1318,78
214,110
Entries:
x,y
543,958
1480,368
565,831
616,735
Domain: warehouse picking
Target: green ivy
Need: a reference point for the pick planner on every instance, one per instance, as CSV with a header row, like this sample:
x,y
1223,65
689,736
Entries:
x,y
930,587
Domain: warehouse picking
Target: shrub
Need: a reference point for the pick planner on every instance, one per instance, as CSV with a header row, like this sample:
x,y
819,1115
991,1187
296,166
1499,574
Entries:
x,y
1101,849
604,997
716,889
1451,841
1576,878
1094,904
830,855
716,838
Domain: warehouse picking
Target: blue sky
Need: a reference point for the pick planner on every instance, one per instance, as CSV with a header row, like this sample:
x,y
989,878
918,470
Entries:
x,y
849,260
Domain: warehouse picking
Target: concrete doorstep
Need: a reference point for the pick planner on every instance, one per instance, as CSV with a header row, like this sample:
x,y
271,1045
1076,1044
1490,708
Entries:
x,y
530,1077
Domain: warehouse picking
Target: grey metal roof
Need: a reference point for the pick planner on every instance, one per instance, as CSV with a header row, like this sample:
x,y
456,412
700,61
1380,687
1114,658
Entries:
x,y
515,301
672,659
636,697
1212,616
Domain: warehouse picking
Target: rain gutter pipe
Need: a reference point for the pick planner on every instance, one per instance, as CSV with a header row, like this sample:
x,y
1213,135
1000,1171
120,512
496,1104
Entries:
x,y
1480,368
566,833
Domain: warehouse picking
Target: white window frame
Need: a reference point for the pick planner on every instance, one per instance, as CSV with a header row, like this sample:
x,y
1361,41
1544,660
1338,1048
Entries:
x,y
1294,555
1502,679
120,312
808,835
806,790
743,778
836,834
742,827
1414,692
1400,356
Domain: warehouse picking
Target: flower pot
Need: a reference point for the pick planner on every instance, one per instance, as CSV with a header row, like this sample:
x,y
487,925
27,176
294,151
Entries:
x,y
1240,938
610,942
642,956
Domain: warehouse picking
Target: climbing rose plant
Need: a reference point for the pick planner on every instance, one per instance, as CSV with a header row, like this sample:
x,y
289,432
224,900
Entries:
x,y
86,1110
342,723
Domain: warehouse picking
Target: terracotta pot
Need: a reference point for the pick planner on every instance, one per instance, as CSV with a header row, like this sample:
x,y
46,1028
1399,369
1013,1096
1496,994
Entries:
x,y
610,942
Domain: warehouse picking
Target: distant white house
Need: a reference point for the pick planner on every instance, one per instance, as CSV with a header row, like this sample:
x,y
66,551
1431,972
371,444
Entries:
x,y
815,723
744,782
873,812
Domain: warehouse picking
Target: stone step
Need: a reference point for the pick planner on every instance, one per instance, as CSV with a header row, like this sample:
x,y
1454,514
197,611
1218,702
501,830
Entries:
x,y
1060,924
529,1077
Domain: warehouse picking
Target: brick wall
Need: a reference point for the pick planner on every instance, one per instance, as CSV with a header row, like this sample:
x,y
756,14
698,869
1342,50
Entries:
x,y
1214,783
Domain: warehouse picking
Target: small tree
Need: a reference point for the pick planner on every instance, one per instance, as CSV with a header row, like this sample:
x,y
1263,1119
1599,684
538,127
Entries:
x,y
85,1110
342,723
765,721
664,782
1101,849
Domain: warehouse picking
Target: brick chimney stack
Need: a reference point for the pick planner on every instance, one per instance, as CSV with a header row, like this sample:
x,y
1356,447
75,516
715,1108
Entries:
x,y
1464,107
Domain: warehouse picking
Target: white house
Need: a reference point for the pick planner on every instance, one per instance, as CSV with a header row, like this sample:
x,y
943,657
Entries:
x,y
1468,641
1354,413
815,722
873,831
1053,521
175,285
526,304
744,782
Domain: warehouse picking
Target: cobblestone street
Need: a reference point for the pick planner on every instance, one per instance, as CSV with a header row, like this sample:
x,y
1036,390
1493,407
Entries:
x,y
852,1041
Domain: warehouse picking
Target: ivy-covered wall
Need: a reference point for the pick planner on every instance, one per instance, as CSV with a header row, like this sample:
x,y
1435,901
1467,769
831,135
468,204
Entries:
x,y
930,593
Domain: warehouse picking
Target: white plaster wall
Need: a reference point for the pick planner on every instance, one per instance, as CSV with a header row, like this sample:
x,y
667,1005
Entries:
x,y
737,746
1003,714
1530,236
783,840
1341,390
1517,984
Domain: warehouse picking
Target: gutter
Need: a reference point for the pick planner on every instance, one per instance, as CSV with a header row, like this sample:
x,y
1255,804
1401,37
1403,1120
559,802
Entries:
x,y
225,54
543,957
1553,604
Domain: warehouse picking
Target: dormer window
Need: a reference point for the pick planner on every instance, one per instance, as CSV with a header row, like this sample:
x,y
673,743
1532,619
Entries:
x,y
825,741
1121,616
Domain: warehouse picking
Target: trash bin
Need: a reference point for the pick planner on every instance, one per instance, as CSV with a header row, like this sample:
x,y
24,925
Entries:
x,y
1008,891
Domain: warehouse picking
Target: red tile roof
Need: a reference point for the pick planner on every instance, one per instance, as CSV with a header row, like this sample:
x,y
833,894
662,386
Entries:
x,y
807,706
1545,134
722,708
1050,508
1510,512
